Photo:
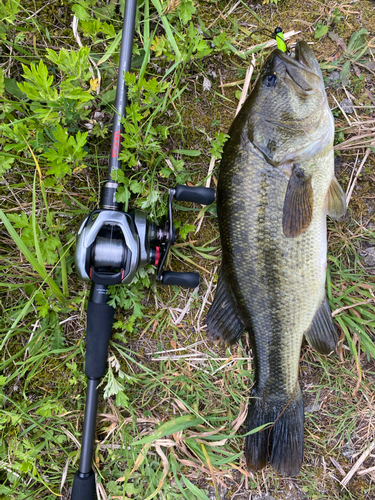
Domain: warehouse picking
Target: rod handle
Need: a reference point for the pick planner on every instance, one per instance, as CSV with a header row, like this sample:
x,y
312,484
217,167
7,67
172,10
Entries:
x,y
98,333
202,195
84,487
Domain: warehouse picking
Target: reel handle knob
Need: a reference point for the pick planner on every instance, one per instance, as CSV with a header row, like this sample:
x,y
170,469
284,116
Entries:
x,y
186,280
202,195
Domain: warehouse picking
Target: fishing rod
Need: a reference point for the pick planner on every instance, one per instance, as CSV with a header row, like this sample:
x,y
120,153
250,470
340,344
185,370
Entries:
x,y
111,246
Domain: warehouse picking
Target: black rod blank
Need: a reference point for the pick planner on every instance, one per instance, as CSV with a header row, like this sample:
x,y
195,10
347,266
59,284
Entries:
x,y
88,434
121,93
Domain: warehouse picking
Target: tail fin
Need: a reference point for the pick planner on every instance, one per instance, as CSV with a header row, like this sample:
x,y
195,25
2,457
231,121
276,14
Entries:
x,y
282,442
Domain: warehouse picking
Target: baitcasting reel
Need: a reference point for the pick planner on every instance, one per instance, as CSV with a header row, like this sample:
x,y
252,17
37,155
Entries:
x,y
112,245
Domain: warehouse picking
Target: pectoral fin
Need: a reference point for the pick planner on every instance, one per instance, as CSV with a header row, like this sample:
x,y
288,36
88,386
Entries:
x,y
298,203
335,200
223,319
322,334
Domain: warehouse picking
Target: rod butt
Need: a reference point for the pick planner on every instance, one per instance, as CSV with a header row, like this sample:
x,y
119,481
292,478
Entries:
x,y
84,486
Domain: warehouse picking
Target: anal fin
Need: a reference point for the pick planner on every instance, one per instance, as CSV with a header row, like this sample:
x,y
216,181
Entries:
x,y
335,200
223,319
322,334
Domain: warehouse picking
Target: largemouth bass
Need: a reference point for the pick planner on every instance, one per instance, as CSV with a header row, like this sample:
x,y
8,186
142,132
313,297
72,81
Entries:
x,y
276,186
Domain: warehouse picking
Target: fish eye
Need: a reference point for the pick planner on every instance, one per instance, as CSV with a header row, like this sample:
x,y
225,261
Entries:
x,y
270,80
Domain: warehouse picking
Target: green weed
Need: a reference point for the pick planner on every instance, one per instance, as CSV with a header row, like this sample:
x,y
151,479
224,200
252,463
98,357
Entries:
x,y
172,408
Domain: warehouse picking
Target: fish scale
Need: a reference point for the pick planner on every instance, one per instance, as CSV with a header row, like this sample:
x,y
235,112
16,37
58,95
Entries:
x,y
274,181
273,270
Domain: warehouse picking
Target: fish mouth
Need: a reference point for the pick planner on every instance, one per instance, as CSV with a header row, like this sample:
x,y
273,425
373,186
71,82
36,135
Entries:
x,y
301,72
305,56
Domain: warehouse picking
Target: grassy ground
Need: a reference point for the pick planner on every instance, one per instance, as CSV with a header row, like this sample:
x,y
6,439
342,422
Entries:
x,y
173,406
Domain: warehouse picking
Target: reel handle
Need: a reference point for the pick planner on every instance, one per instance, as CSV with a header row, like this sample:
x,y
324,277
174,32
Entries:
x,y
202,195
186,280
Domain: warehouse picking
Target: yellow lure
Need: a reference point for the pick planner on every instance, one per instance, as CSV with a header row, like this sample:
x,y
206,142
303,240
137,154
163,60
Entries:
x,y
280,39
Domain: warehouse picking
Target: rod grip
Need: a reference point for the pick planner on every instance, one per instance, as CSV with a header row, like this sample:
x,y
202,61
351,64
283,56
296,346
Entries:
x,y
84,487
98,333
186,280
202,195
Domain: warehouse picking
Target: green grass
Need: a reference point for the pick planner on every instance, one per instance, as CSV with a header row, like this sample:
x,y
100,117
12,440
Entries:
x,y
172,405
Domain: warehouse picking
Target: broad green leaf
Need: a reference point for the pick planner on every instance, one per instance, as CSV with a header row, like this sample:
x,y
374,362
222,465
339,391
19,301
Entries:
x,y
137,311
57,333
218,144
345,72
185,229
136,187
38,83
90,26
11,86
187,152
48,248
72,62
108,97
49,408
113,385
185,10
9,10
79,94
59,169
80,12
151,199
122,399
67,152
108,29
356,40
122,194
5,163
321,30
